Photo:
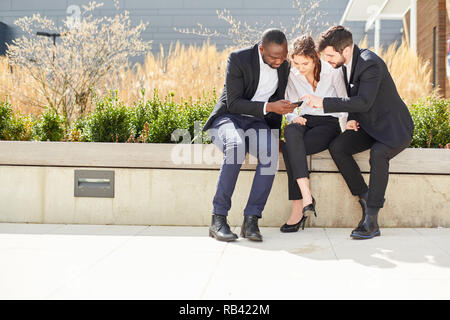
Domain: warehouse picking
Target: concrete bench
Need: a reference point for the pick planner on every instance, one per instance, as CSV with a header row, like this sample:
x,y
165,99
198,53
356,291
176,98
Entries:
x,y
169,184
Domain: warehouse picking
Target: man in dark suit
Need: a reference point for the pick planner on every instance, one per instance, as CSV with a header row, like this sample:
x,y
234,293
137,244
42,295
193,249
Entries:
x,y
247,118
378,120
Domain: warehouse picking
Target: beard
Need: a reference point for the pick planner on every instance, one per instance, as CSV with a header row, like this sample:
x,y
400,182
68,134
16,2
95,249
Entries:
x,y
338,64
264,60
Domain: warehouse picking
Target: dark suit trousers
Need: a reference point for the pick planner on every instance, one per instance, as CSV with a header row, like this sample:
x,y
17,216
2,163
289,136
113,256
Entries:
x,y
236,135
313,137
352,142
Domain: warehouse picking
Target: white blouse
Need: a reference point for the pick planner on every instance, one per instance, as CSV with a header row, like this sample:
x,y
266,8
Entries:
x,y
331,84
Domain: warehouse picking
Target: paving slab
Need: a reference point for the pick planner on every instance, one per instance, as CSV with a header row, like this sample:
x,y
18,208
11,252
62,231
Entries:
x,y
44,261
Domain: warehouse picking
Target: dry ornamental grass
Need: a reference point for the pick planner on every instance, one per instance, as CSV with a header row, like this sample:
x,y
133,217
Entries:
x,y
411,73
91,59
195,72
183,71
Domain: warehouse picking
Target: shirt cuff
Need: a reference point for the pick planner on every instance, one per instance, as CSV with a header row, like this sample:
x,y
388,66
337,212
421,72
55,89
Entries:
x,y
264,110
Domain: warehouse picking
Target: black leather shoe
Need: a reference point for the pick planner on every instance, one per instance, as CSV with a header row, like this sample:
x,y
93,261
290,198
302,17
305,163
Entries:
x,y
369,227
220,229
250,228
310,209
363,203
294,227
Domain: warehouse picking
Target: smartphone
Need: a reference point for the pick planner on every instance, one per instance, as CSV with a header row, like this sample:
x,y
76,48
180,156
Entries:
x,y
298,103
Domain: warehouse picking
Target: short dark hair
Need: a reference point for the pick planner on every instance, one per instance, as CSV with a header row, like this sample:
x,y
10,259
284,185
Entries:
x,y
273,36
338,37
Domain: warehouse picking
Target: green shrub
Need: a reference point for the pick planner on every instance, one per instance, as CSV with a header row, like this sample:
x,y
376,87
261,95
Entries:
x,y
21,128
431,118
49,126
110,121
5,118
78,130
15,126
141,117
165,119
193,117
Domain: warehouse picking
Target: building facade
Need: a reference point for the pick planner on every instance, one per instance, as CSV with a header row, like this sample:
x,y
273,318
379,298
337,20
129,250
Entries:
x,y
165,16
433,40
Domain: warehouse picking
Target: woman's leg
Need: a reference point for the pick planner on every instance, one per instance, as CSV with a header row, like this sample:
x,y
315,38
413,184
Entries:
x,y
296,212
303,184
294,155
316,139
294,191
300,142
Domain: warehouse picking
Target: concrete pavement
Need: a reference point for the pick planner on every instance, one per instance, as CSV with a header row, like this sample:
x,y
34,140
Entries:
x,y
48,261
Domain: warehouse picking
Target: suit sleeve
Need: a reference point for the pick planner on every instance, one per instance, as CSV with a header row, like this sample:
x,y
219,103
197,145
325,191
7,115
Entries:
x,y
235,91
369,84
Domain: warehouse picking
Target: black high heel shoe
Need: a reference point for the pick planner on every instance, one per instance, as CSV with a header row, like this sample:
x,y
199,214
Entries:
x,y
294,227
306,212
310,208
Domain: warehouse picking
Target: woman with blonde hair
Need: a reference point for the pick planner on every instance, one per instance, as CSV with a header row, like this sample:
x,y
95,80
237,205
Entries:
x,y
310,130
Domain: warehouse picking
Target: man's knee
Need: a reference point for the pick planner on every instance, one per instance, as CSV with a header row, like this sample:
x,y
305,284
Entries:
x,y
268,157
379,153
234,151
336,146
231,142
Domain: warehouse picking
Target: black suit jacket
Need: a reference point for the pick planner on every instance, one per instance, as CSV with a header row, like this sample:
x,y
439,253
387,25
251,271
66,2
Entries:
x,y
374,101
241,82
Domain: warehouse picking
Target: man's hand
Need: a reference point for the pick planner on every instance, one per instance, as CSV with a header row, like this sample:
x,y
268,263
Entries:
x,y
280,107
312,101
352,125
299,120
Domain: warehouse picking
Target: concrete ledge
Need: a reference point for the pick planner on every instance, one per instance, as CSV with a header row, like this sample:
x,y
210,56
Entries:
x,y
411,160
189,156
150,189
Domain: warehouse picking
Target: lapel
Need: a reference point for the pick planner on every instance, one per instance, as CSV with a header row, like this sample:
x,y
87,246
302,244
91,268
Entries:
x,y
255,70
283,75
347,81
354,61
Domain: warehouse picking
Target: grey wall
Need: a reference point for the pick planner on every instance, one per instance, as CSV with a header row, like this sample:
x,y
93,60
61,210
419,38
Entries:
x,y
6,36
164,15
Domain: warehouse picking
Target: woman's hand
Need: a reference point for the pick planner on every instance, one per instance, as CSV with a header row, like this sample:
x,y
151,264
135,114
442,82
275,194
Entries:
x,y
352,125
299,120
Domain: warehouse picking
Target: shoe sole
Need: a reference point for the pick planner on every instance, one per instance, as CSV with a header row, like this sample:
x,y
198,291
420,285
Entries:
x,y
212,235
289,230
251,238
361,237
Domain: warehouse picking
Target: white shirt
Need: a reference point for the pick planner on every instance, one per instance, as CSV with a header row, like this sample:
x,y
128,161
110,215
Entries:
x,y
267,85
331,84
349,69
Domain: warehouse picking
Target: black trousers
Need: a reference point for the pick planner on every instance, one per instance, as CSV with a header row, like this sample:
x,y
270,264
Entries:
x,y
301,141
352,142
